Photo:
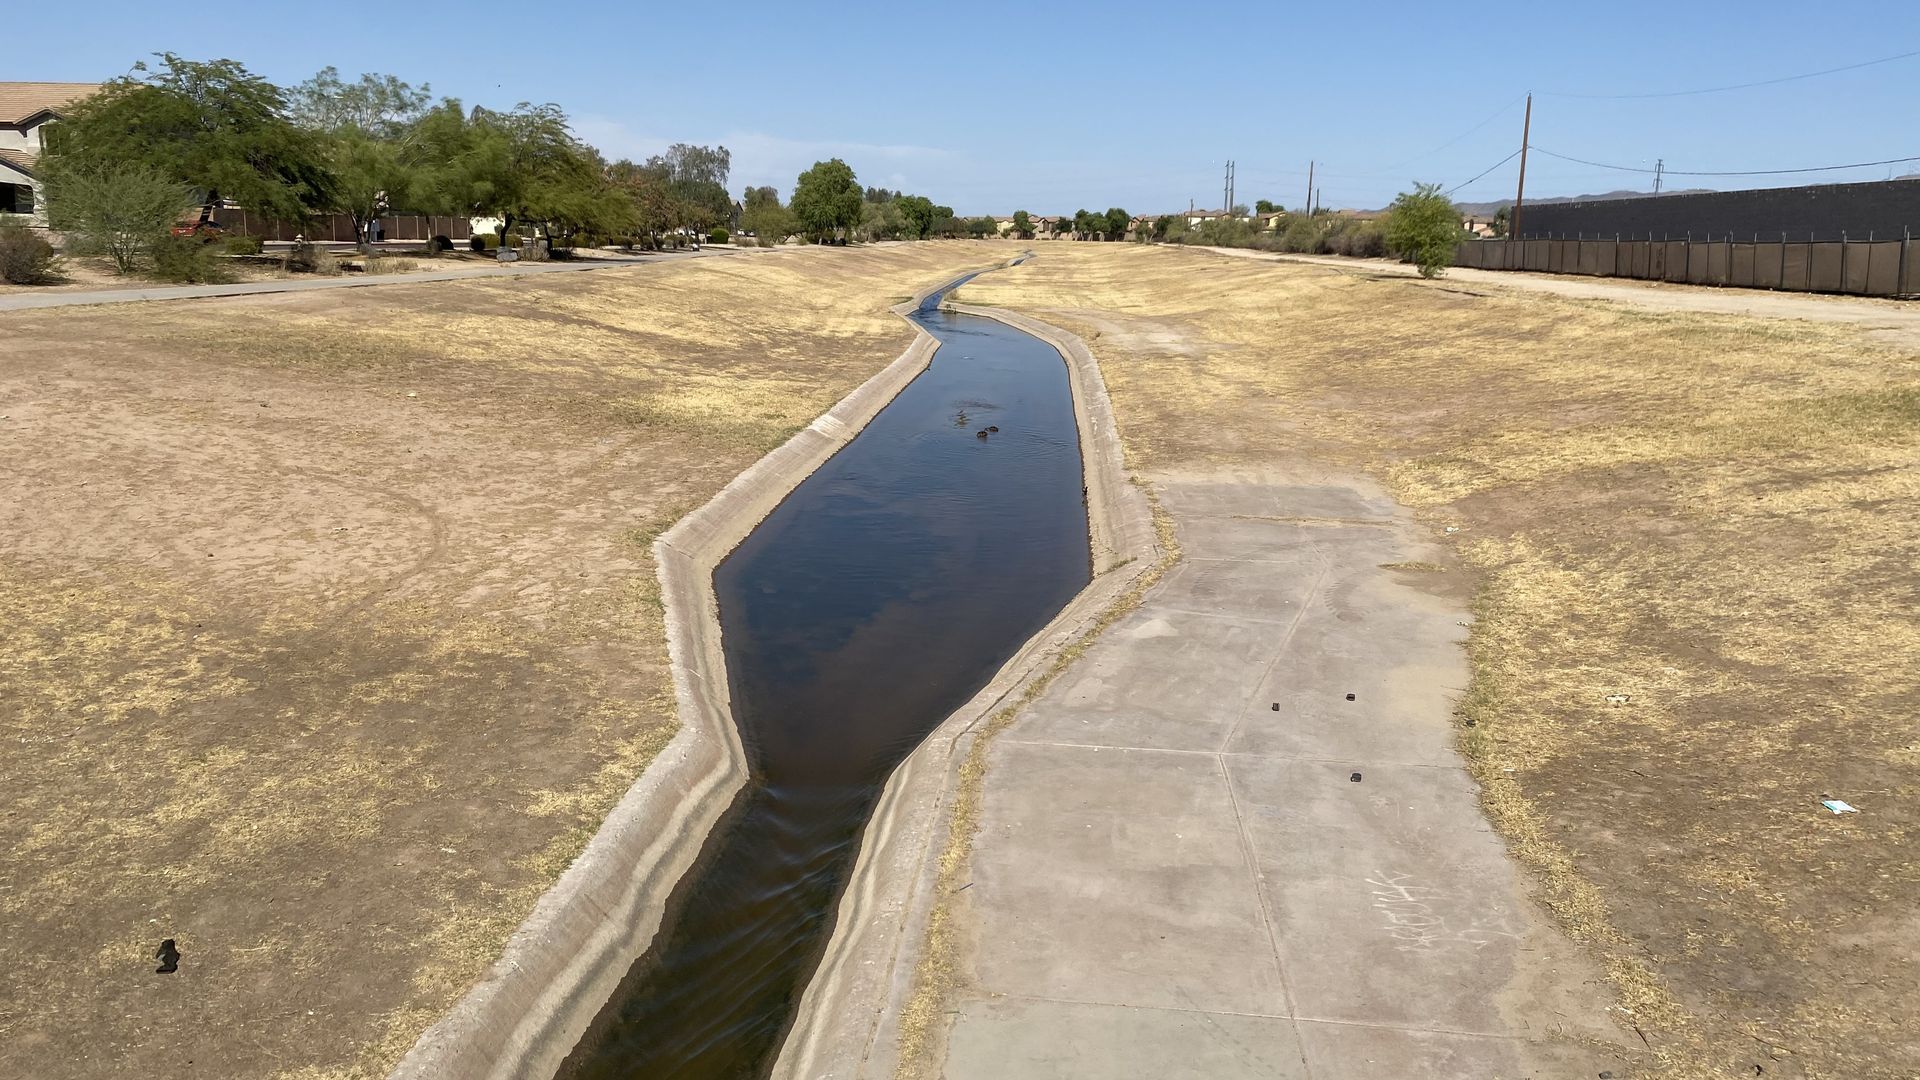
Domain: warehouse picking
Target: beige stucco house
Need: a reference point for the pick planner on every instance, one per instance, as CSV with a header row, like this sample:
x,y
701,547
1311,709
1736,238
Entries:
x,y
26,108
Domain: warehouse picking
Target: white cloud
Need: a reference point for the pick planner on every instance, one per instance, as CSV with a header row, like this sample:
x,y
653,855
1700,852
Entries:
x,y
759,158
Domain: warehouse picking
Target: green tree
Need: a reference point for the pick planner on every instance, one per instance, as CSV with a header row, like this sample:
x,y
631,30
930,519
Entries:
x,y
826,199
1116,221
363,126
981,228
525,166
1086,224
918,211
123,210
1502,219
1423,227
697,177
1022,225
1264,206
944,223
762,215
215,127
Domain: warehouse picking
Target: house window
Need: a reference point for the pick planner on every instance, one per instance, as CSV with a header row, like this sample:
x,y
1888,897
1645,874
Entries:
x,y
16,199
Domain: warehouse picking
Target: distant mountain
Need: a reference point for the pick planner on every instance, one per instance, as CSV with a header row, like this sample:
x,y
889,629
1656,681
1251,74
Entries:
x,y
1488,209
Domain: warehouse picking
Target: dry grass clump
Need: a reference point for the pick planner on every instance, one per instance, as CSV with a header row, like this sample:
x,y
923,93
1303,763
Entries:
x,y
329,628
1697,539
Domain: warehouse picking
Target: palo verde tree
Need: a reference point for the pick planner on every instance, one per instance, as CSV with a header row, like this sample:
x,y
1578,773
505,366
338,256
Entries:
x,y
1423,227
364,127
215,127
826,199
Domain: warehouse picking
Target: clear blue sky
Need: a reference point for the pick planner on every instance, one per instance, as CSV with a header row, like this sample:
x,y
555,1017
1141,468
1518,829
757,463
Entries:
x,y
992,107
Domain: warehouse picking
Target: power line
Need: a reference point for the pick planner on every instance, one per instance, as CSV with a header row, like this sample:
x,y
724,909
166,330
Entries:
x,y
1487,170
1743,86
1740,172
1497,114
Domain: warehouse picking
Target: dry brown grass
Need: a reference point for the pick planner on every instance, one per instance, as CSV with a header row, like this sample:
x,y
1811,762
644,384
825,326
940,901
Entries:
x,y
329,630
1713,515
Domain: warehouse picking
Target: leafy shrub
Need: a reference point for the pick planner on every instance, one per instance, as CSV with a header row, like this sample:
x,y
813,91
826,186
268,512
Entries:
x,y
718,236
245,245
1423,228
1302,235
25,258
187,260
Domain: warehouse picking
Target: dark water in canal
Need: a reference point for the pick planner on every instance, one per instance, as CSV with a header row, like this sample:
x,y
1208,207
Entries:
x,y
884,592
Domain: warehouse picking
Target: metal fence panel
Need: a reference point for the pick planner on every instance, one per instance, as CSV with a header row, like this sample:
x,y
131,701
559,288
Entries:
x,y
1589,258
1911,277
1718,256
1824,267
1740,268
1883,268
1766,265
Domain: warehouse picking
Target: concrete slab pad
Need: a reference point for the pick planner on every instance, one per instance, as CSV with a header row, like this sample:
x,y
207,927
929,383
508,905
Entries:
x,y
1360,1052
1163,679
1391,899
1118,875
993,1040
1395,649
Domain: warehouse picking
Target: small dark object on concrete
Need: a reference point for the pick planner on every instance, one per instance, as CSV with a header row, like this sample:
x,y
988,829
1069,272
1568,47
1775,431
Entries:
x,y
1606,1076
1276,706
1355,778
169,956
979,434
995,428
1349,697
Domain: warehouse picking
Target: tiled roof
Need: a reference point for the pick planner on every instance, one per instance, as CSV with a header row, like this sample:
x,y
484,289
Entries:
x,y
19,159
19,100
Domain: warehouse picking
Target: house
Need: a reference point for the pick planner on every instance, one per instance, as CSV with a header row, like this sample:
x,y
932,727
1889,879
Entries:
x,y
1476,227
26,108
1271,220
1195,217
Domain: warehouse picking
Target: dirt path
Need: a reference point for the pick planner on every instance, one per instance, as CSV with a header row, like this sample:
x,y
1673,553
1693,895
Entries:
x,y
1894,321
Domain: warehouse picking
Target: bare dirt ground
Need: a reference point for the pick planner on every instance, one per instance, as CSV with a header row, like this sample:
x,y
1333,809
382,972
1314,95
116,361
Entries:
x,y
1693,539
329,631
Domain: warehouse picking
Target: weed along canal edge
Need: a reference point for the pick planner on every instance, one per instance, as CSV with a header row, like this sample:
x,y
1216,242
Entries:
x,y
568,957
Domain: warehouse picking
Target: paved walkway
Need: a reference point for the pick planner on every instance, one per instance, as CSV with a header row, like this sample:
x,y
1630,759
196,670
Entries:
x,y
1198,858
1897,321
25,300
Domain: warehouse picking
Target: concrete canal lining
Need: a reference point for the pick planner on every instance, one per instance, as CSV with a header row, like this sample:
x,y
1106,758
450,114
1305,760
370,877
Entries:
x,y
849,1014
567,958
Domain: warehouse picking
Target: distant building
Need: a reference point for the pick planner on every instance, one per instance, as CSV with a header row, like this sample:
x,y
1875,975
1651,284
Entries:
x,y
26,108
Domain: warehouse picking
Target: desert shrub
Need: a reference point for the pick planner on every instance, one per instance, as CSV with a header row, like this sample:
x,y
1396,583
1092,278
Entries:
x,y
718,236
308,257
1423,228
187,260
389,265
1302,235
245,245
123,210
25,258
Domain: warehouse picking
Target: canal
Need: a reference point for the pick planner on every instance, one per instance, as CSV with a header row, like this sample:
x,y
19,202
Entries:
x,y
877,599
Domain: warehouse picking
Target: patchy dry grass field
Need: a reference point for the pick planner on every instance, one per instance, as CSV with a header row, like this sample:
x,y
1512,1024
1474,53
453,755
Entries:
x,y
1696,543
328,627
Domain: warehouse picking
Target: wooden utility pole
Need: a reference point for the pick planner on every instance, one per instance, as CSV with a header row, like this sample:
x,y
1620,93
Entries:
x,y
1520,196
1309,188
